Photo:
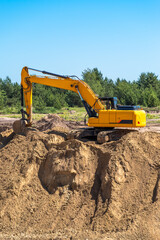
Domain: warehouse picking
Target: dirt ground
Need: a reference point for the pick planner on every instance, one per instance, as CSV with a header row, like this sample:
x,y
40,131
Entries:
x,y
54,188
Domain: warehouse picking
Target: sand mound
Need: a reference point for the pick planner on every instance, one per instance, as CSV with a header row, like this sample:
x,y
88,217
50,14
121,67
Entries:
x,y
51,121
57,189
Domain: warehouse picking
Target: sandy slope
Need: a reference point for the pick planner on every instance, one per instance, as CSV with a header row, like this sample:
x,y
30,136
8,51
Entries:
x,y
52,188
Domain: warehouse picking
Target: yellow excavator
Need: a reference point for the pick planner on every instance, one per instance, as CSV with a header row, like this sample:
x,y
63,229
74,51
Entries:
x,y
100,115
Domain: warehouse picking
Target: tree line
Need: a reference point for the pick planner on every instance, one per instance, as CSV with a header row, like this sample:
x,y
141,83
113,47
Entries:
x,y
145,92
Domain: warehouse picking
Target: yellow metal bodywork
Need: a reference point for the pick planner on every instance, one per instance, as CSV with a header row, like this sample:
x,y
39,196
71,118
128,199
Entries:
x,y
118,118
105,118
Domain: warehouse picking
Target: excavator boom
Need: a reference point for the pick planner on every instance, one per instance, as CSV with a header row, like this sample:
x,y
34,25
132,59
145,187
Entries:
x,y
89,99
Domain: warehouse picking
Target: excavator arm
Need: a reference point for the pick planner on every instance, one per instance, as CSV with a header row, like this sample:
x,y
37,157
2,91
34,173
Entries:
x,y
88,97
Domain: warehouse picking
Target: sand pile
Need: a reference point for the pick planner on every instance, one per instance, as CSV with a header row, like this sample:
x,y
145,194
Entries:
x,y
52,188
51,121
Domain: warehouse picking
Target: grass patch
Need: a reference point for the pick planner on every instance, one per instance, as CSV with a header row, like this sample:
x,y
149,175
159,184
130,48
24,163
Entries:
x,y
153,116
72,114
69,113
11,115
37,116
10,110
150,109
153,122
46,110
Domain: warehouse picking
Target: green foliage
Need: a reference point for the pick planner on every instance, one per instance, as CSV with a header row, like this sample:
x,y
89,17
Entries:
x,y
94,79
47,96
7,87
45,110
147,80
152,116
145,91
72,99
108,88
3,99
38,103
151,98
125,93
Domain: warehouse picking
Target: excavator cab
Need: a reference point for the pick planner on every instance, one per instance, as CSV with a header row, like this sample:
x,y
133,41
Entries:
x,y
110,102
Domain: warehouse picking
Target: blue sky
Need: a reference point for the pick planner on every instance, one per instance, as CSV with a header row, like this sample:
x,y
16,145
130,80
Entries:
x,y
120,38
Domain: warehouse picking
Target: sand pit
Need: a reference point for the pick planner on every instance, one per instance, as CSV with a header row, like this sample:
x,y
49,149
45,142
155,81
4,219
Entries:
x,y
53,188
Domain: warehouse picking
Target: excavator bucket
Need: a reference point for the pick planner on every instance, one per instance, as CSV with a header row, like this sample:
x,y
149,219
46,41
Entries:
x,y
19,126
